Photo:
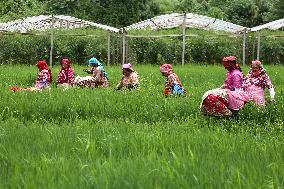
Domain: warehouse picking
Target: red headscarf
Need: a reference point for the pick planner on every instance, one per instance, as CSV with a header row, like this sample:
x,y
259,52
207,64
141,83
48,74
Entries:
x,y
66,61
230,63
42,65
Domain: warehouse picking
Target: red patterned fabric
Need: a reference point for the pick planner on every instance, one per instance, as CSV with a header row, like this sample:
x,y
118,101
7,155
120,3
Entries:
x,y
215,105
66,74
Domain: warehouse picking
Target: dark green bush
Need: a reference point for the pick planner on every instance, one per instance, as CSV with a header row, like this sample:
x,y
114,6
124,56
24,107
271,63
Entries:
x,y
202,48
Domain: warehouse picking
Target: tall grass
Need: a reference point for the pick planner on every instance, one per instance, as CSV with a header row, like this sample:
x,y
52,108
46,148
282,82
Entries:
x,y
102,138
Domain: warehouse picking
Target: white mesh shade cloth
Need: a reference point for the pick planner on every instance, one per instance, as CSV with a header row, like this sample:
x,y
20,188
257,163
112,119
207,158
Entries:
x,y
44,22
192,20
274,25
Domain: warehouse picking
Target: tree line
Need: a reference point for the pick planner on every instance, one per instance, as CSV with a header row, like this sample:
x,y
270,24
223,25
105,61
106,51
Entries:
x,y
119,13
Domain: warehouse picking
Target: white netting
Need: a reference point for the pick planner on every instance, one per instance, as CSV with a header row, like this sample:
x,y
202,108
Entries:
x,y
191,20
274,25
44,22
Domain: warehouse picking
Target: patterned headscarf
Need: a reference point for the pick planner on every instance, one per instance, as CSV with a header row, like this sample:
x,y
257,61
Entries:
x,y
256,62
259,64
94,61
230,63
66,61
166,68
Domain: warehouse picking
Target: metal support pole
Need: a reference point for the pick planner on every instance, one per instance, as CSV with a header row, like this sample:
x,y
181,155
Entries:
x,y
108,48
244,46
51,42
123,48
183,38
258,44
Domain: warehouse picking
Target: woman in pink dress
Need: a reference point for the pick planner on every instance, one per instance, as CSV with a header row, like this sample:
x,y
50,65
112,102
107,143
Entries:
x,y
43,81
256,82
230,98
234,76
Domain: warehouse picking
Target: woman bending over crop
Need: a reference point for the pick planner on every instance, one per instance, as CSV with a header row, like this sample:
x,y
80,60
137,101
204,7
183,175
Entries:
x,y
173,85
223,102
130,78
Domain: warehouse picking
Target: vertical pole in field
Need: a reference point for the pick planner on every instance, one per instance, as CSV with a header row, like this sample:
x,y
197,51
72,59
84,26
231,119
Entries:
x,y
108,48
244,46
123,47
51,42
258,44
183,38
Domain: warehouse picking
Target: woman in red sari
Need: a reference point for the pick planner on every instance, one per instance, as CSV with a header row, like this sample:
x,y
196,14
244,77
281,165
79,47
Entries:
x,y
66,75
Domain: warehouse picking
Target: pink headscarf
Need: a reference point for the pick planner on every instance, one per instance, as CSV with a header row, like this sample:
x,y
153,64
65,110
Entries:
x,y
256,63
229,58
230,63
166,68
260,70
127,66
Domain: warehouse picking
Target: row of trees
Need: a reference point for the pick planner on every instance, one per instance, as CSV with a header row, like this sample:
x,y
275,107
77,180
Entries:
x,y
120,13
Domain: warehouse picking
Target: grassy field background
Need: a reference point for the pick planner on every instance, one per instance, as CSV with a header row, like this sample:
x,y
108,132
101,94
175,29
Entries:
x,y
102,138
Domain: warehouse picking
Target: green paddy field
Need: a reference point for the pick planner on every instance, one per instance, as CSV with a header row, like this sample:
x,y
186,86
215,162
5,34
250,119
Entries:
x,y
102,138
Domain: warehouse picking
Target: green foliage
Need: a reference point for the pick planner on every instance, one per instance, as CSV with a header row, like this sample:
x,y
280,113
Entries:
x,y
120,13
16,9
113,12
201,47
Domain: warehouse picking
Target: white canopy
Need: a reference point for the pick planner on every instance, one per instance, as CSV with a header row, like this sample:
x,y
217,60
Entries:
x,y
191,20
274,25
44,22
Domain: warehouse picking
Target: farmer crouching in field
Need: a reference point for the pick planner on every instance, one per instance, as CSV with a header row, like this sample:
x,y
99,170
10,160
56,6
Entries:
x,y
223,103
255,83
66,75
99,78
130,78
227,100
234,76
173,85
43,80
